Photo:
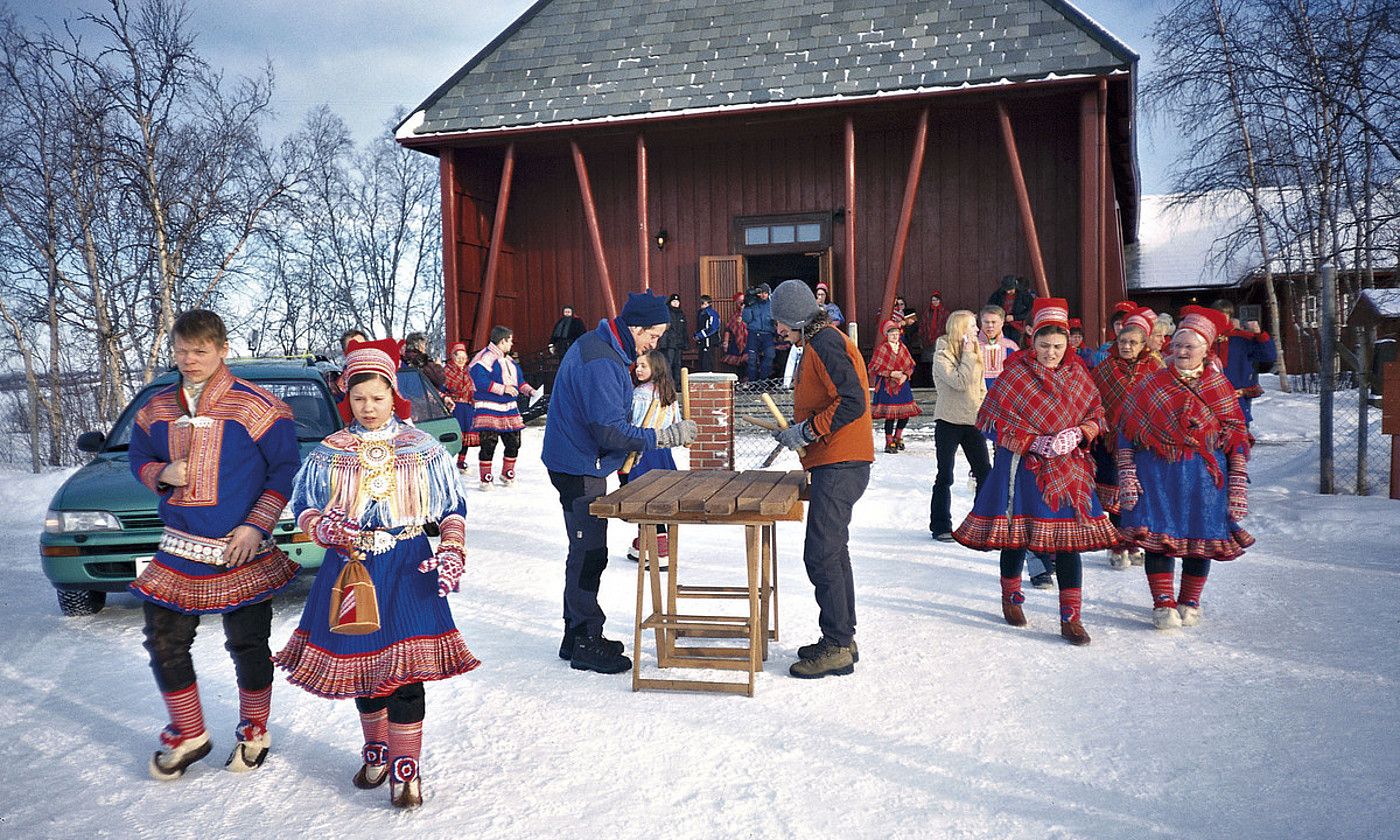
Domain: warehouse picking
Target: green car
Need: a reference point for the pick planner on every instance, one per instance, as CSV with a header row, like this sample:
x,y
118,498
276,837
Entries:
x,y
103,525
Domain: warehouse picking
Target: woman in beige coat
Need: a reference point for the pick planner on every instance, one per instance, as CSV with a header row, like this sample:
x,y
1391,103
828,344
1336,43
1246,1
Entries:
x,y
957,374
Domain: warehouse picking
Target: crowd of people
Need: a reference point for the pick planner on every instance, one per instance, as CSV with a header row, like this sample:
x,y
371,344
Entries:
x,y
1138,447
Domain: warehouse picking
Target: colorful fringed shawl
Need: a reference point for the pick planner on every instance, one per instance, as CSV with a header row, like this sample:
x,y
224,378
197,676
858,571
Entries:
x,y
1031,400
459,381
1176,417
1116,377
394,477
886,360
736,339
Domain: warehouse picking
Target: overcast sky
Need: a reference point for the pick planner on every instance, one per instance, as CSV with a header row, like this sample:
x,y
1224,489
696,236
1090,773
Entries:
x,y
365,58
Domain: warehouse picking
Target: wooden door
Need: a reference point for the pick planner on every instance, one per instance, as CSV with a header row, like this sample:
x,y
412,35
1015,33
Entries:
x,y
826,275
721,278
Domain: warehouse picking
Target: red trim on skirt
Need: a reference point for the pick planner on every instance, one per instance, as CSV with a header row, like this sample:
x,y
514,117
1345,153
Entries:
x,y
376,673
1039,535
1177,547
895,411
220,592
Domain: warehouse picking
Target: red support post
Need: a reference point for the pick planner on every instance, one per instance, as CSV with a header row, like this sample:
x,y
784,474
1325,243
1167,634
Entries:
x,y
849,292
1023,200
590,214
1110,237
493,256
643,228
451,292
906,215
1090,217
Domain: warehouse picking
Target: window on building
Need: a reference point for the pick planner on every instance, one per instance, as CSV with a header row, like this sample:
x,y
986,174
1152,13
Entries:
x,y
804,232
1311,312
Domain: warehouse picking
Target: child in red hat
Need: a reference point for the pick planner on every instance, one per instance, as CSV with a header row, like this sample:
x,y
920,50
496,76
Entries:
x,y
890,368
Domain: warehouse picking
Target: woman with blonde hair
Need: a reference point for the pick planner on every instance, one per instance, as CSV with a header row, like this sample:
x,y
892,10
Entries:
x,y
957,374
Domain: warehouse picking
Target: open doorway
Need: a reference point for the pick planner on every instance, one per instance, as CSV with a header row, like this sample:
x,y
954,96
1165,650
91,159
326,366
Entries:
x,y
775,268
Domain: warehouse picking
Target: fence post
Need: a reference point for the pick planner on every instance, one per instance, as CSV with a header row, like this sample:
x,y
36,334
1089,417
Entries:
x,y
1327,483
1363,414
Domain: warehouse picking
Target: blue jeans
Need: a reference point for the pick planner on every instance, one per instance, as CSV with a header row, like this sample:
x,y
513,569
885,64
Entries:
x,y
760,346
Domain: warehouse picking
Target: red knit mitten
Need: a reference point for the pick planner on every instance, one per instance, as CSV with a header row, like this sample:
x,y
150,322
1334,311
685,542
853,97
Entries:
x,y
450,563
1129,488
1237,496
334,529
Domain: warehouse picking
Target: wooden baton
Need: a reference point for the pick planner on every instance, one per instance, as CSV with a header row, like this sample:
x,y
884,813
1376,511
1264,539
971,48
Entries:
x,y
646,424
782,421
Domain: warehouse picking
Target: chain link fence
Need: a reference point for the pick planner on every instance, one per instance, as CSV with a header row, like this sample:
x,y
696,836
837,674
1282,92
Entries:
x,y
1360,452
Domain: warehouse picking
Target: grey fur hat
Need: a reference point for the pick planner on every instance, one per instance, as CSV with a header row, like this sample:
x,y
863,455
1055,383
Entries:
x,y
794,304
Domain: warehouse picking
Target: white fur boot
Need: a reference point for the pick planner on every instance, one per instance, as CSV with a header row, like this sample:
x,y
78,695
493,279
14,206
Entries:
x,y
1190,615
1166,618
170,764
1117,559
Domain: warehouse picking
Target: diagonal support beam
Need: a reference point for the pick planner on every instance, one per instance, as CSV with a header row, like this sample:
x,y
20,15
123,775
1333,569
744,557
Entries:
x,y
595,235
493,256
1023,200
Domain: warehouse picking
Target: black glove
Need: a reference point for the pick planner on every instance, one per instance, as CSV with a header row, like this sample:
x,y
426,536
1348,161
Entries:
x,y
677,434
794,437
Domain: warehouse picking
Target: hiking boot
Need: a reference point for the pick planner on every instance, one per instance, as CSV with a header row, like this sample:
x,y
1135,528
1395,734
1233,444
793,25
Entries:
x,y
811,651
566,647
946,536
899,444
830,660
891,448
1074,633
595,653
170,764
1044,580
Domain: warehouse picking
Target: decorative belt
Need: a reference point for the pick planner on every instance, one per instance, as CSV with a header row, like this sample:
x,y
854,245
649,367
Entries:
x,y
208,550
380,541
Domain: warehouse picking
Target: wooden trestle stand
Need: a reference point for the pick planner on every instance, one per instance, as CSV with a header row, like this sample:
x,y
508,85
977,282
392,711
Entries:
x,y
756,500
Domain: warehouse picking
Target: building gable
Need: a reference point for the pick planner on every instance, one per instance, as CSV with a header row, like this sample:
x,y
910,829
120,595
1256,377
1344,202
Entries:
x,y
576,60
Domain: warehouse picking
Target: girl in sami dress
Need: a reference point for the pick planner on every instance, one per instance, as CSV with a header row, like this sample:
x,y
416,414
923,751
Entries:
x,y
457,372
1039,496
890,368
735,342
1182,470
651,378
499,382
367,492
1116,377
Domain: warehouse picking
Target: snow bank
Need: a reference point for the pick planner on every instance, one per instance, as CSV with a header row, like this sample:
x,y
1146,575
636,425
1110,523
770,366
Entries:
x,y
1277,717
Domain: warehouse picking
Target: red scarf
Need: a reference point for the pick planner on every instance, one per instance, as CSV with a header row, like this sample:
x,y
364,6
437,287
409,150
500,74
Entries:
x,y
739,334
459,381
1175,417
1116,378
933,327
1030,400
886,360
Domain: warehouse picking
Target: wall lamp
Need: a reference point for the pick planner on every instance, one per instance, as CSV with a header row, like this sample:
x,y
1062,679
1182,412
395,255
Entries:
x,y
661,237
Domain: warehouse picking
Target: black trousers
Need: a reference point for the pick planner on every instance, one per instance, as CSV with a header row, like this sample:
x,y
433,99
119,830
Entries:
x,y
1156,564
705,360
826,552
1069,571
170,634
947,439
488,444
406,704
588,550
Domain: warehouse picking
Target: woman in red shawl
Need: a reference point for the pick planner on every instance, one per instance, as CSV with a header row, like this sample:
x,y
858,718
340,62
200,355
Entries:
x,y
890,368
735,340
1182,478
459,387
1116,377
1040,493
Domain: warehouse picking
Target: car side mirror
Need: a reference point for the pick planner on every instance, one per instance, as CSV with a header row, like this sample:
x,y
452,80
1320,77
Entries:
x,y
91,441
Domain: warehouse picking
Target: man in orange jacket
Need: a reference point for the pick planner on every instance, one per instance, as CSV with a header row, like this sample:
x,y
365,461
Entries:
x,y
831,404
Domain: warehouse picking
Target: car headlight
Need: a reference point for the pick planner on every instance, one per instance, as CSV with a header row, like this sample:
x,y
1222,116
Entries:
x,y
78,521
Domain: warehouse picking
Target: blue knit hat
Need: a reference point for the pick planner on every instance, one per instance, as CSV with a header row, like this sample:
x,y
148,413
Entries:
x,y
645,309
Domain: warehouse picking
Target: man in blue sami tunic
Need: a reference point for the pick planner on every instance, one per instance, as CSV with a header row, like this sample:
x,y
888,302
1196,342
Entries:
x,y
221,453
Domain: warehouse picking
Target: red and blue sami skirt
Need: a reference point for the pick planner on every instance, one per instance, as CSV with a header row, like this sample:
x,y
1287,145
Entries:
x,y
896,406
200,588
1011,512
463,412
417,640
1182,513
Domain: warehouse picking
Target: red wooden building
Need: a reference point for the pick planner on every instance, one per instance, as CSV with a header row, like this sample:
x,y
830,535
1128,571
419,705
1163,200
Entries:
x,y
599,146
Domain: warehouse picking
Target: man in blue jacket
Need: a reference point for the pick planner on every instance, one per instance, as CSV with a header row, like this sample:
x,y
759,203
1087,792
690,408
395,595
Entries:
x,y
763,335
1243,354
587,435
707,337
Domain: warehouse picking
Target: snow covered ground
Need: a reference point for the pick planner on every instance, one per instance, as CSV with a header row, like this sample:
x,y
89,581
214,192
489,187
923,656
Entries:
x,y
1278,717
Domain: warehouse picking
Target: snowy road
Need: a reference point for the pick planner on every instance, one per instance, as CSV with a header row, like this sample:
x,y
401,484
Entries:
x,y
1278,717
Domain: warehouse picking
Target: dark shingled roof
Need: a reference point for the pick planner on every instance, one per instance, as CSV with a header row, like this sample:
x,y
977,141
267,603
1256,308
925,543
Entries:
x,y
567,60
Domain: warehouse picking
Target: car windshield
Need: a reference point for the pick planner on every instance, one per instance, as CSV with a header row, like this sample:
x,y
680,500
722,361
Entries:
x,y
310,403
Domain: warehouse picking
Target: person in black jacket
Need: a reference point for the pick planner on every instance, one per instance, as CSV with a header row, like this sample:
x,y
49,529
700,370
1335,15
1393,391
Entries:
x,y
1015,297
707,336
567,330
676,339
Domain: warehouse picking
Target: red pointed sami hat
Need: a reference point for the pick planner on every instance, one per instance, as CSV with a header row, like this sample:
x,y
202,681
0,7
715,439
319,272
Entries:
x,y
1143,318
1125,306
381,357
1049,312
1209,324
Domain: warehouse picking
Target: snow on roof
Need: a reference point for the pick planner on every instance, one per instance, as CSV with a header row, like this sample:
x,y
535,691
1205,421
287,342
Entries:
x,y
1179,246
1386,302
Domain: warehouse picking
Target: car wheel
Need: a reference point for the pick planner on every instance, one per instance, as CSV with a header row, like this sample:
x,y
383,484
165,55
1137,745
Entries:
x,y
81,601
